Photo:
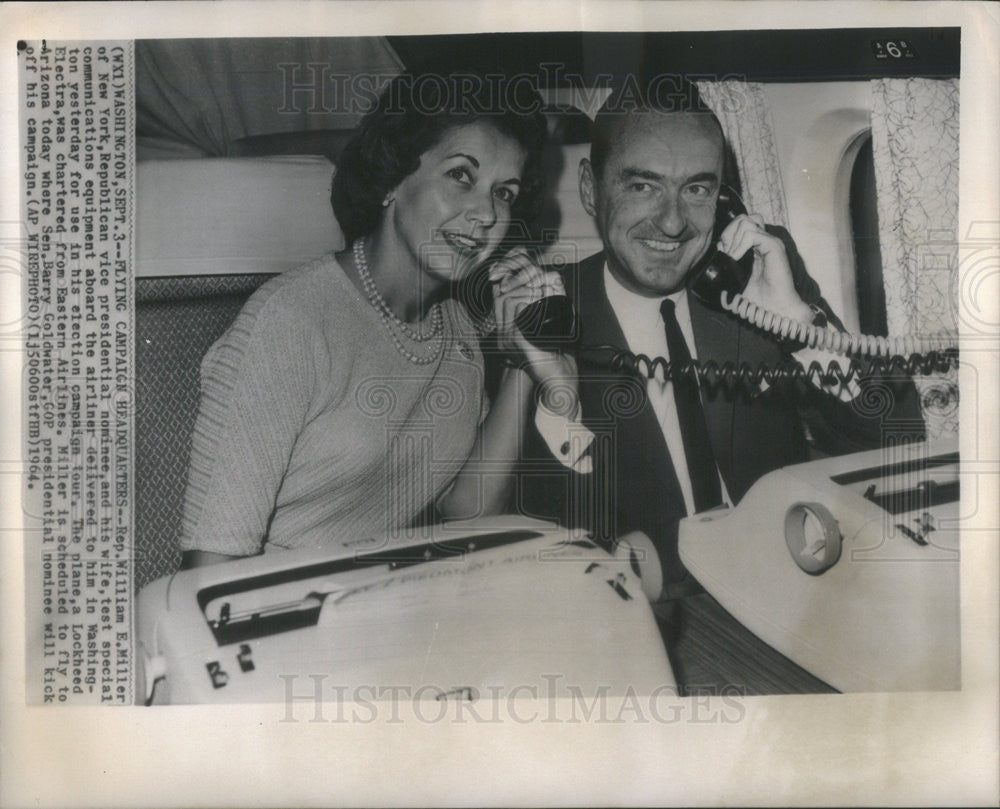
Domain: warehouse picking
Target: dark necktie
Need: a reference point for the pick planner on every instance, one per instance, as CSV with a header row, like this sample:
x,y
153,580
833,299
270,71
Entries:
x,y
694,431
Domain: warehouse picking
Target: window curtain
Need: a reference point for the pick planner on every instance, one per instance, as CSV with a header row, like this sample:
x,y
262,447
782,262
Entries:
x,y
915,144
745,115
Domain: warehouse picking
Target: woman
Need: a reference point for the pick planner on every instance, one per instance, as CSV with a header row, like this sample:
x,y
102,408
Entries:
x,y
347,397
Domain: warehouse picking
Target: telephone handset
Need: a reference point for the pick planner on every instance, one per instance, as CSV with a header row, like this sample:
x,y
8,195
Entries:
x,y
719,280
717,272
549,323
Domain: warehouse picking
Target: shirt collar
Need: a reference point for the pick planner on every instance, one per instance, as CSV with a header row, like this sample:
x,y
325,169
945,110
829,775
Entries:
x,y
640,310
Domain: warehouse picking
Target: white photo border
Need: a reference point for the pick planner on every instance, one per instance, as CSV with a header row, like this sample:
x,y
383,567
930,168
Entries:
x,y
935,749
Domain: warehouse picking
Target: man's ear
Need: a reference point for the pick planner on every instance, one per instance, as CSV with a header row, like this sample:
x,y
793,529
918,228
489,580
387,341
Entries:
x,y
588,187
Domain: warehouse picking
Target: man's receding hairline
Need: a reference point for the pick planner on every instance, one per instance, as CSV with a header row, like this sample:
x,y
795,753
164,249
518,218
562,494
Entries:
x,y
620,120
620,123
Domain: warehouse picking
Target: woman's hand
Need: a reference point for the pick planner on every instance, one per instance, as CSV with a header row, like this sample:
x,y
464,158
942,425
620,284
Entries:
x,y
518,282
486,481
771,284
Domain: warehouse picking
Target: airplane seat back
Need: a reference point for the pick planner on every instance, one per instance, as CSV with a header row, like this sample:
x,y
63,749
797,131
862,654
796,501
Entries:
x,y
208,233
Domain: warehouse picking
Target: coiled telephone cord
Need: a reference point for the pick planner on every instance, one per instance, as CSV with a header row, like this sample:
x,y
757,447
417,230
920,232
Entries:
x,y
729,373
863,345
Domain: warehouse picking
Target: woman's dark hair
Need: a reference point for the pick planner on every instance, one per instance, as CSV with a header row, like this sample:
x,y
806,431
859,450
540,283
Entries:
x,y
410,117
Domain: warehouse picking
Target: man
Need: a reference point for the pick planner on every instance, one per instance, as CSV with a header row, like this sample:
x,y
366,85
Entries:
x,y
668,448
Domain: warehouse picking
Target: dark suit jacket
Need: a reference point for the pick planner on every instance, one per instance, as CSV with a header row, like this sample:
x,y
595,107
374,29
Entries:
x,y
634,485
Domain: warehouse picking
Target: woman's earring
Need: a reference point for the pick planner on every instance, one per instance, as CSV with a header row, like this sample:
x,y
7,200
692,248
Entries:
x,y
386,201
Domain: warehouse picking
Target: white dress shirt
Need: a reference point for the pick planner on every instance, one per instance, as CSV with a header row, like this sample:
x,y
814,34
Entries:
x,y
642,325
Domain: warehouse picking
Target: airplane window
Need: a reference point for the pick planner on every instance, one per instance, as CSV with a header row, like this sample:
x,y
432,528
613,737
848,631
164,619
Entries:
x,y
867,254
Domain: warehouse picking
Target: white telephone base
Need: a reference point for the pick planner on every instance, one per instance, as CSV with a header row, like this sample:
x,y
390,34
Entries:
x,y
848,566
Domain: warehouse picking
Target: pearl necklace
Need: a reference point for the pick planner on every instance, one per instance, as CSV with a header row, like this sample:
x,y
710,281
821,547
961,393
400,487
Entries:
x,y
391,322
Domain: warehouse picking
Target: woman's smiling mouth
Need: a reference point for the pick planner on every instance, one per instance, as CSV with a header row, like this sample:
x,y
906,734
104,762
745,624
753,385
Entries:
x,y
464,243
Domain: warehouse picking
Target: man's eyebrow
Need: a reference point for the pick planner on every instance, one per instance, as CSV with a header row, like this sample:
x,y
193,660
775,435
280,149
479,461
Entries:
x,y
629,173
704,177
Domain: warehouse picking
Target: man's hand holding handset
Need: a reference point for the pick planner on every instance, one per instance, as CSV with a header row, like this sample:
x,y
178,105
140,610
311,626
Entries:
x,y
772,287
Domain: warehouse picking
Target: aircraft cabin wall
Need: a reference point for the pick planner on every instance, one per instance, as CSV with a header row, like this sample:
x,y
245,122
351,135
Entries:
x,y
818,129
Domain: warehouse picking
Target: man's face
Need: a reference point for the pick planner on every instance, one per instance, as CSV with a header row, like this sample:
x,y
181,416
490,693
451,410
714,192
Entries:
x,y
654,202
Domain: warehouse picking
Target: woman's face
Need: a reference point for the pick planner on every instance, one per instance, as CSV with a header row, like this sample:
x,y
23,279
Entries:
x,y
451,213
